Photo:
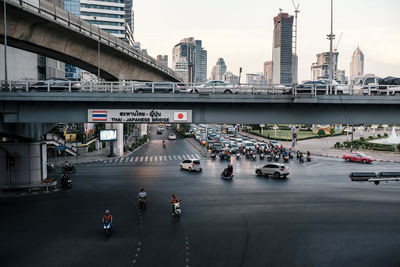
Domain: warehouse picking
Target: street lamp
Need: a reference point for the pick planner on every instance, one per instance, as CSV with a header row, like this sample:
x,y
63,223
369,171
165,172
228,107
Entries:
x,y
331,37
98,52
5,45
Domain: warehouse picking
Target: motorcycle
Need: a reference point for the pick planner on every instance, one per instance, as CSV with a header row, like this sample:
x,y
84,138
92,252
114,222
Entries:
x,y
290,155
213,156
226,176
163,145
269,157
177,209
308,158
142,202
301,159
66,182
254,157
262,156
276,157
244,151
237,155
107,228
286,159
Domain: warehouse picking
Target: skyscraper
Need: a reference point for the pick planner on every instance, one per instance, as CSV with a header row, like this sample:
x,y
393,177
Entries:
x,y
218,70
268,71
357,64
320,69
282,50
74,7
189,61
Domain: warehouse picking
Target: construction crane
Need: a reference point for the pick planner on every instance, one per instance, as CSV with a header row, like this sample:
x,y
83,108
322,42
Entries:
x,y
338,42
296,12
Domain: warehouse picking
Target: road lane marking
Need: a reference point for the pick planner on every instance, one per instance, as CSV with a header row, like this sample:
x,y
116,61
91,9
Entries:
x,y
188,156
131,160
313,165
161,158
170,158
137,159
146,158
151,158
179,157
193,156
155,158
141,159
174,157
197,156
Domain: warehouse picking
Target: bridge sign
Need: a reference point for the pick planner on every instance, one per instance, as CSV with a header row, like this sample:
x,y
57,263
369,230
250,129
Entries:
x,y
139,116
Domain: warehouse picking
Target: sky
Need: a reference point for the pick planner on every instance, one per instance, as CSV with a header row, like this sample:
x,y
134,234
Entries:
x,y
241,31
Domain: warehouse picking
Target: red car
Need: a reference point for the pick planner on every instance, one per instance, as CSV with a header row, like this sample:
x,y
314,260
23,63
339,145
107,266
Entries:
x,y
357,157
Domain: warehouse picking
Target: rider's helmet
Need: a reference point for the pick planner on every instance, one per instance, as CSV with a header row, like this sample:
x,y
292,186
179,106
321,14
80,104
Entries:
x,y
107,212
142,190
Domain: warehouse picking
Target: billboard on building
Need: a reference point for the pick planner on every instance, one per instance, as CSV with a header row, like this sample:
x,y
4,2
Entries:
x,y
108,135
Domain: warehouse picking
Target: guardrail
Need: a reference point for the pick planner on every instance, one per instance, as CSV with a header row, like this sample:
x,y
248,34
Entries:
x,y
168,87
62,16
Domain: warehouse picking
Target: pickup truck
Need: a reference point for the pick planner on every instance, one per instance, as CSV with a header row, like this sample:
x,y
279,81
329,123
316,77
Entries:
x,y
373,85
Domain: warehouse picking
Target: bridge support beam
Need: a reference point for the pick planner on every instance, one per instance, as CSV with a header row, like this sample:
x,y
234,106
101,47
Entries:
x,y
118,145
22,164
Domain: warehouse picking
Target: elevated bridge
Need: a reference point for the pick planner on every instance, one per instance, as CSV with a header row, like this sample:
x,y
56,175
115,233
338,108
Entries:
x,y
53,32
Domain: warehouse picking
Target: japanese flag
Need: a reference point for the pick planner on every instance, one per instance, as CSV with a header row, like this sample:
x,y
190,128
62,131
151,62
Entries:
x,y
180,116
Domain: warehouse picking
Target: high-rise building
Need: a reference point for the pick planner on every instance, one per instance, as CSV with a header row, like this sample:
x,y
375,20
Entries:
x,y
341,76
357,64
268,71
230,78
189,61
163,60
218,70
282,50
74,7
256,78
110,16
24,65
320,69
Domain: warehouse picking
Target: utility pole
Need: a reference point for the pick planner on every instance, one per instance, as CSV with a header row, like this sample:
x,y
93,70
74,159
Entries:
x,y
296,12
331,37
5,45
98,53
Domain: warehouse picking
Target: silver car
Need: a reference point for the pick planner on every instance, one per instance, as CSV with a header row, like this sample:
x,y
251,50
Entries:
x,y
273,169
214,86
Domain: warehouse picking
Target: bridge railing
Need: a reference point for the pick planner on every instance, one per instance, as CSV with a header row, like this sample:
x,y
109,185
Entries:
x,y
57,85
61,16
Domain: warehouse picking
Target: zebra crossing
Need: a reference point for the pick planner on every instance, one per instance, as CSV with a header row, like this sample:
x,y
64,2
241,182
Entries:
x,y
153,158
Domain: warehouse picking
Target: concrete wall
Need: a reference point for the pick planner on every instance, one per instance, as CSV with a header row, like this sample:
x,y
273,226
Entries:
x,y
28,167
21,65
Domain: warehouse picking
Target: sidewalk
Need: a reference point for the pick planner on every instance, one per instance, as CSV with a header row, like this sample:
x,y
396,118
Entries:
x,y
324,147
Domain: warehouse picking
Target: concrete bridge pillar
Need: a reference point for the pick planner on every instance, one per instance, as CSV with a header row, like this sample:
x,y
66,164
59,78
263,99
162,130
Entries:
x,y
119,144
22,163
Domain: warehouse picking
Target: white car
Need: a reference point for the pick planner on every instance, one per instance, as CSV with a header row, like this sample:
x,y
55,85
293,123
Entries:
x,y
273,169
220,87
192,165
171,136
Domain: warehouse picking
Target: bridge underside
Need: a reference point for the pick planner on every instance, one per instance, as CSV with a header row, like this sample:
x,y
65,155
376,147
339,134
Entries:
x,y
35,33
73,107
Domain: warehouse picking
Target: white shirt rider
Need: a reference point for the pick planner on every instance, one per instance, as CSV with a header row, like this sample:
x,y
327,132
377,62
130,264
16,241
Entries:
x,y
142,194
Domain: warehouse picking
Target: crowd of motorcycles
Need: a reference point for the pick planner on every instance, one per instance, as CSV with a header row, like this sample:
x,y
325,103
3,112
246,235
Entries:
x,y
269,153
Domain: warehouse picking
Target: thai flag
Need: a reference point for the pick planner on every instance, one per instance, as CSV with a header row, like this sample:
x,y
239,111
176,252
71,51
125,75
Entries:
x,y
98,115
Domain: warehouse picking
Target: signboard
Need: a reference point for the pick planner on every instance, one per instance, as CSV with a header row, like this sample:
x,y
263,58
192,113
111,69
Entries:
x,y
60,148
70,137
108,135
139,116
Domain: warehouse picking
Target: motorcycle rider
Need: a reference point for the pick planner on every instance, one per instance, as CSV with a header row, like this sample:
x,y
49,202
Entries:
x,y
67,165
107,217
228,171
174,200
163,144
142,195
64,178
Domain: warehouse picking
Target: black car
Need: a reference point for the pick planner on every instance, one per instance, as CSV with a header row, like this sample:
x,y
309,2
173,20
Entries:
x,y
307,87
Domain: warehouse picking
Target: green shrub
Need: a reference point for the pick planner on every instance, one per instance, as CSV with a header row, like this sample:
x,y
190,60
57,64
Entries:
x,y
321,133
362,139
370,137
379,135
385,135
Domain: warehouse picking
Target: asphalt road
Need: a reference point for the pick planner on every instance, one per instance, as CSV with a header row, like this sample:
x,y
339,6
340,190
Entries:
x,y
315,217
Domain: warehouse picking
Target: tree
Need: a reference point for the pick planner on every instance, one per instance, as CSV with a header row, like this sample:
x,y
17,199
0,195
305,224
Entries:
x,y
332,131
321,132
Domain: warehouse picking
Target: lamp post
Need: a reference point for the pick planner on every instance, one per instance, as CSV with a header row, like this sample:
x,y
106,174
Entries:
x,y
98,53
5,45
331,37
